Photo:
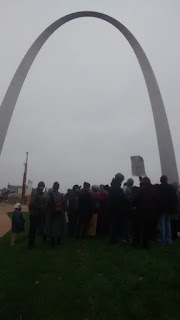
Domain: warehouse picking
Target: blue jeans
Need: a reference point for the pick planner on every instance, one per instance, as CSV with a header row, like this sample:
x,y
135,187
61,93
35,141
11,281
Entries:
x,y
164,227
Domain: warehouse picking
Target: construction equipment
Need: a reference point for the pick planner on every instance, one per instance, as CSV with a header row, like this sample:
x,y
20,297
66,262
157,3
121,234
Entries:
x,y
24,179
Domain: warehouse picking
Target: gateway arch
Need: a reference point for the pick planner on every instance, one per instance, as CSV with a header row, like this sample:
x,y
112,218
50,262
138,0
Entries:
x,y
165,145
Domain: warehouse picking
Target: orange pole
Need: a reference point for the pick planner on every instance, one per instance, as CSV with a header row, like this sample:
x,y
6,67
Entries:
x,y
24,178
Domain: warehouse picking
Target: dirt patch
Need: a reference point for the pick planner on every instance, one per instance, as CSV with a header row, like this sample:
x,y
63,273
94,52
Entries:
x,y
5,221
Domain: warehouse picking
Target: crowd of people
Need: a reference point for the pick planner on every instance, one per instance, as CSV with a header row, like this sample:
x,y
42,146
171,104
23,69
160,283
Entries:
x,y
127,213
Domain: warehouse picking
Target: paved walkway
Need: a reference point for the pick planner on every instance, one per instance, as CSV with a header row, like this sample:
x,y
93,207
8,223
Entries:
x,y
5,221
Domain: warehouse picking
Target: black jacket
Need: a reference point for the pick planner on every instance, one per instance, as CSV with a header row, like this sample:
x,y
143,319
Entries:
x,y
117,201
85,202
167,199
73,206
36,206
145,202
17,221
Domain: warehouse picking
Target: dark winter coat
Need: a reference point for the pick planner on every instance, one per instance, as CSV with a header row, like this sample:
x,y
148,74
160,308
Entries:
x,y
73,205
36,206
167,199
117,201
17,221
55,222
145,202
85,204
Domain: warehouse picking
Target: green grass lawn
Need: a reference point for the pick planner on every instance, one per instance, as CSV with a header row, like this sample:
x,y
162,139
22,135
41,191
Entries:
x,y
88,280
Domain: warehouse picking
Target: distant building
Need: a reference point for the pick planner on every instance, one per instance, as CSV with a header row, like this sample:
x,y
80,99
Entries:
x,y
18,189
3,191
12,188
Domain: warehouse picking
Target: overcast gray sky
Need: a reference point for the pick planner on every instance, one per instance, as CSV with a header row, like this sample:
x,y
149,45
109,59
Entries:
x,y
84,108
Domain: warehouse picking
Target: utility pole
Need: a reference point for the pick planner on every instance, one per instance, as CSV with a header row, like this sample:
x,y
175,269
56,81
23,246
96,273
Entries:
x,y
24,178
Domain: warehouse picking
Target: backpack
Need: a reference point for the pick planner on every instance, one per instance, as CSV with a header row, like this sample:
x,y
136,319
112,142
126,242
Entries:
x,y
58,206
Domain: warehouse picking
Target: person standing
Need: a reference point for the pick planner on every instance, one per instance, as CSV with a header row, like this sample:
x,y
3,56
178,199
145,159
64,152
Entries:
x,y
95,207
55,225
73,210
145,203
167,204
85,210
117,207
17,223
103,221
128,217
36,209
175,216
